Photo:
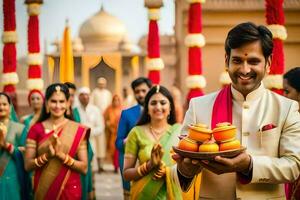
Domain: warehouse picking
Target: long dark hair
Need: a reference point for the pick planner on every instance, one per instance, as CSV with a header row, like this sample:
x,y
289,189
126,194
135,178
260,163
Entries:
x,y
145,118
49,92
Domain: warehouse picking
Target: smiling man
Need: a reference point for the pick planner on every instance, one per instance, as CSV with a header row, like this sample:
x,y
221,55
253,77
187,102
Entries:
x,y
268,125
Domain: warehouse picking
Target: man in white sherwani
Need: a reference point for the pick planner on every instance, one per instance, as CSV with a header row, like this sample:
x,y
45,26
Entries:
x,y
91,116
102,98
268,125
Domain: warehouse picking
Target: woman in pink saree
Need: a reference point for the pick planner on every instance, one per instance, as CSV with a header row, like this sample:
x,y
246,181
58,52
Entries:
x,y
56,149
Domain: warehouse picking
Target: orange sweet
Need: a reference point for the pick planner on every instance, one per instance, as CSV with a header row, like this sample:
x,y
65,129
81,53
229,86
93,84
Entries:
x,y
224,132
199,132
188,144
230,145
209,147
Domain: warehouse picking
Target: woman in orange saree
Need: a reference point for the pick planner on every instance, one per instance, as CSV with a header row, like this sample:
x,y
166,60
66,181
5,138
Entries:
x,y
111,117
56,149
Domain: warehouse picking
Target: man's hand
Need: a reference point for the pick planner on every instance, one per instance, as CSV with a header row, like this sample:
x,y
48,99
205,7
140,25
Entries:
x,y
186,166
220,165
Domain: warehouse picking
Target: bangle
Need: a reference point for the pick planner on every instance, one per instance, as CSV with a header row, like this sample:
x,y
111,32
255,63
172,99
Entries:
x,y
40,160
36,163
9,147
70,162
139,171
144,169
44,157
66,159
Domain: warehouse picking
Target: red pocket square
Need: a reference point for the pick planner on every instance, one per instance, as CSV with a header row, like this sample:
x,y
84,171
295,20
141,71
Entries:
x,y
268,127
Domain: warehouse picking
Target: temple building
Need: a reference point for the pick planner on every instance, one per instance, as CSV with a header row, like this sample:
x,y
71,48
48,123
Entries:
x,y
102,49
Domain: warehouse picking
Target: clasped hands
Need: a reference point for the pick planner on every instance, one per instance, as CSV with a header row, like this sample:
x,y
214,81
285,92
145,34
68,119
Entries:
x,y
220,165
156,162
55,148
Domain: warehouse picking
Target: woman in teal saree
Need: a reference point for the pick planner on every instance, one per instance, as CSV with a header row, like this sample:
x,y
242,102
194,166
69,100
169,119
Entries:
x,y
14,183
150,143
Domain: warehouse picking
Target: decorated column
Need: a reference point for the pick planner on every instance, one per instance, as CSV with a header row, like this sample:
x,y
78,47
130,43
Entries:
x,y
275,21
195,41
154,63
9,38
34,59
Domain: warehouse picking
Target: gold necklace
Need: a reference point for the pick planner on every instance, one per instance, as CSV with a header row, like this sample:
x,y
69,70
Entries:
x,y
54,126
156,134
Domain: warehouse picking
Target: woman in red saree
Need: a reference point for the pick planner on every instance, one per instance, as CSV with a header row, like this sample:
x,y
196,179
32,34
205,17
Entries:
x,y
56,149
111,117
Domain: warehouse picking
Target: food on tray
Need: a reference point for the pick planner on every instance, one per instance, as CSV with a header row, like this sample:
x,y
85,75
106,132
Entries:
x,y
199,132
188,144
209,147
224,132
230,145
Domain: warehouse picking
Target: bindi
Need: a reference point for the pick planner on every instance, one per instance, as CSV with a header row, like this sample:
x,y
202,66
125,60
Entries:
x,y
246,54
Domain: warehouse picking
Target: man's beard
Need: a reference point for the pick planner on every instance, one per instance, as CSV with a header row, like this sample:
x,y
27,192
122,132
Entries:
x,y
141,102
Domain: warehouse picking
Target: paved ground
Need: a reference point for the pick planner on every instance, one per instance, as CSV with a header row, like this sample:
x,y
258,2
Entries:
x,y
108,185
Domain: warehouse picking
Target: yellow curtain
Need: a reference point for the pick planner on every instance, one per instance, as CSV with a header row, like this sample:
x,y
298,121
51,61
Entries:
x,y
135,67
66,72
50,68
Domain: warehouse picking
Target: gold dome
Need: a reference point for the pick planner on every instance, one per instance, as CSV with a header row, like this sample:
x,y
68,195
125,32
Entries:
x,y
102,27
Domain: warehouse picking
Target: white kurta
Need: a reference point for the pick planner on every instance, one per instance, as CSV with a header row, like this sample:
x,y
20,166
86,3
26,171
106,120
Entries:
x,y
92,117
101,98
275,152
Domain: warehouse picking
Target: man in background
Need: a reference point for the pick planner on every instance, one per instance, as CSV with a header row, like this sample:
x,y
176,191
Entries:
x,y
101,97
91,116
128,120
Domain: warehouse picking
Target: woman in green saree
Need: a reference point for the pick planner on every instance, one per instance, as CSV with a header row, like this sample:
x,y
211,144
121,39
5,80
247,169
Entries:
x,y
150,143
13,181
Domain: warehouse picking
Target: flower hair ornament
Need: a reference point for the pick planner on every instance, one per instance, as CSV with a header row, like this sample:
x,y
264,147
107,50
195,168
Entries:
x,y
157,89
58,89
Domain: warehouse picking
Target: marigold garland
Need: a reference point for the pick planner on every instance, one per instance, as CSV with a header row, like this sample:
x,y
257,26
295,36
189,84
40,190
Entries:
x,y
275,20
